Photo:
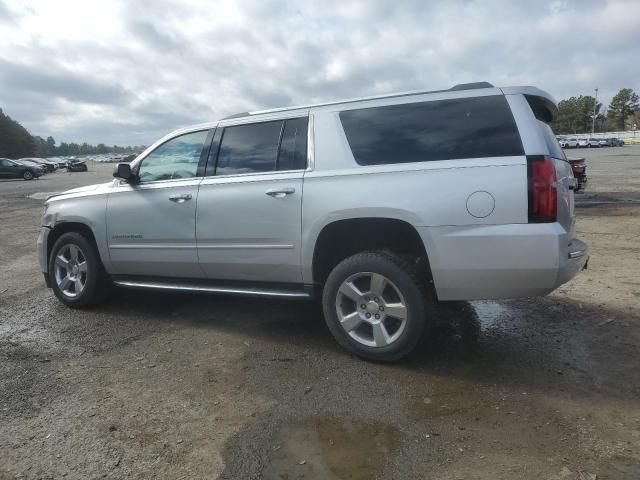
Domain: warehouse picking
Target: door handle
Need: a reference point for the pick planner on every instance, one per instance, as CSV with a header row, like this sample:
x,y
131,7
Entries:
x,y
181,198
280,192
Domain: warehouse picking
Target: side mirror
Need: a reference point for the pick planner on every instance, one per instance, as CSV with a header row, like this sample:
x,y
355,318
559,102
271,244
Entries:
x,y
123,172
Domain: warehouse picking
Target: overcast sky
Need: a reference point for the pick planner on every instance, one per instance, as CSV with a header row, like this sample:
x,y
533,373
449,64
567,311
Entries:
x,y
126,72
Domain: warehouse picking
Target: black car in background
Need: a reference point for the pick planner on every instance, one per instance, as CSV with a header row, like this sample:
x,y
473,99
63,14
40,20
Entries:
x,y
16,169
76,166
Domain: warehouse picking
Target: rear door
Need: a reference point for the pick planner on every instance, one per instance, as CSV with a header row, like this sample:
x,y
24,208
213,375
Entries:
x,y
250,203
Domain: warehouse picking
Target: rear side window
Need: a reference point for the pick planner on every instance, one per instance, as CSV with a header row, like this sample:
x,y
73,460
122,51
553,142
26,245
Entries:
x,y
259,147
427,131
293,147
249,148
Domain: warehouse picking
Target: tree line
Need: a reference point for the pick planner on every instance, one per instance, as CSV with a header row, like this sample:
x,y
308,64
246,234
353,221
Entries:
x,y
16,142
575,114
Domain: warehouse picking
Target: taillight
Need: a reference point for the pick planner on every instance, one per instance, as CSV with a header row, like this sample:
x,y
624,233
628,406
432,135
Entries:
x,y
543,197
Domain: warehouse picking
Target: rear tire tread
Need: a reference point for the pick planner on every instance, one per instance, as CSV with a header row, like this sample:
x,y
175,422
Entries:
x,y
423,303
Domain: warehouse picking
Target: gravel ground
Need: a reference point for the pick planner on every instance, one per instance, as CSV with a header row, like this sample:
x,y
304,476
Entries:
x,y
186,386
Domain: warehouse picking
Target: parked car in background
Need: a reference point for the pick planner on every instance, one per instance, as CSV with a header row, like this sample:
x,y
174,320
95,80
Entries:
x,y
570,143
579,168
33,164
77,166
616,142
60,162
593,143
583,142
14,169
380,206
48,165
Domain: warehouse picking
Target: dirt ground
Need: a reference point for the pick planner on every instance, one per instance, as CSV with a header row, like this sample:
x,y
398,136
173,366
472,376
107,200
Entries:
x,y
186,386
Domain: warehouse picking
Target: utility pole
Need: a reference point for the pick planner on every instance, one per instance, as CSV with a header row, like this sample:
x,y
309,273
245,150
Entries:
x,y
593,121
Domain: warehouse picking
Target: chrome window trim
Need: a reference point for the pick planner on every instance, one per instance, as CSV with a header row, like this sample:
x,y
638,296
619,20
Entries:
x,y
173,182
253,177
252,174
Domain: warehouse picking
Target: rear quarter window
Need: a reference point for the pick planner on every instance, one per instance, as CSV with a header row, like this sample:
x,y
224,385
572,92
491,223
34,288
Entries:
x,y
552,143
428,131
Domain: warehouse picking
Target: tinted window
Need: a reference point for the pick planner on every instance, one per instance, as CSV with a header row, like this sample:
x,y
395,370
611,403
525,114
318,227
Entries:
x,y
439,130
552,143
177,158
293,147
249,148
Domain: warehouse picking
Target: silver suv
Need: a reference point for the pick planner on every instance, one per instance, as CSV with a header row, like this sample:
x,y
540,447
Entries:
x,y
380,206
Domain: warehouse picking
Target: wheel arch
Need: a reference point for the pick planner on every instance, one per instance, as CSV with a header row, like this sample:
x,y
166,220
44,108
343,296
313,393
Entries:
x,y
66,227
344,237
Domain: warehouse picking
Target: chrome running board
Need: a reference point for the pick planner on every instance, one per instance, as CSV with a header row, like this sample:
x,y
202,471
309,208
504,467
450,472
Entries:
x,y
205,287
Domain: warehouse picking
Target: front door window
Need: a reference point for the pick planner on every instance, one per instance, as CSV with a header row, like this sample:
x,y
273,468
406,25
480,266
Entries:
x,y
176,159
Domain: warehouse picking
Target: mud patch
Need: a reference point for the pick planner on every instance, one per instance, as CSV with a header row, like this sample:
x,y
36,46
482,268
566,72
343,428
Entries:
x,y
328,447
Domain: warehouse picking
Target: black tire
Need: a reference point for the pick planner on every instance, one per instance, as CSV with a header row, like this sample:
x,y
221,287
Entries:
x,y
97,283
406,278
27,175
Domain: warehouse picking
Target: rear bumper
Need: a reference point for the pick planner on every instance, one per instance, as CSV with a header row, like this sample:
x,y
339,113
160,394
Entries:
x,y
501,261
577,259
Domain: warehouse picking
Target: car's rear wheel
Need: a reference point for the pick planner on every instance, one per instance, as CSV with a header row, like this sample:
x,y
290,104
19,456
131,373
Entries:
x,y
375,305
27,175
77,276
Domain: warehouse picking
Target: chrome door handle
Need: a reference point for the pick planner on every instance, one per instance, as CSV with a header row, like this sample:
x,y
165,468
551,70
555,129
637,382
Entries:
x,y
280,192
181,198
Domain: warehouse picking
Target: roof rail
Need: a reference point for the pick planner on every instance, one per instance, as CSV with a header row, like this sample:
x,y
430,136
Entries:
x,y
236,115
455,88
470,86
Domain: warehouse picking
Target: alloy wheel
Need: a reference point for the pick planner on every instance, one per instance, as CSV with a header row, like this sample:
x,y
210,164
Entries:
x,y
70,270
371,309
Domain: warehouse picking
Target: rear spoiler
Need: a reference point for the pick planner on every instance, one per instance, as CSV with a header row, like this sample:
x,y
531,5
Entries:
x,y
544,106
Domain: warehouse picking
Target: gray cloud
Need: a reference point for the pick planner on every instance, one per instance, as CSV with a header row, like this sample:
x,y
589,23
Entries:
x,y
56,82
145,69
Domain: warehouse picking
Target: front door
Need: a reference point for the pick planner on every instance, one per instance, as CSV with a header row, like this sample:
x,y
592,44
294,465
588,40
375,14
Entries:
x,y
250,204
151,223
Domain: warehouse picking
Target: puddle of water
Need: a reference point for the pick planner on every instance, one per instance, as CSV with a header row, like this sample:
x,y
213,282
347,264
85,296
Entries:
x,y
328,447
489,312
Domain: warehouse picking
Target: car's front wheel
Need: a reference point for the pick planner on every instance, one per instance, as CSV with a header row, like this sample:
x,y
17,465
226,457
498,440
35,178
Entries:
x,y
27,175
77,276
376,306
